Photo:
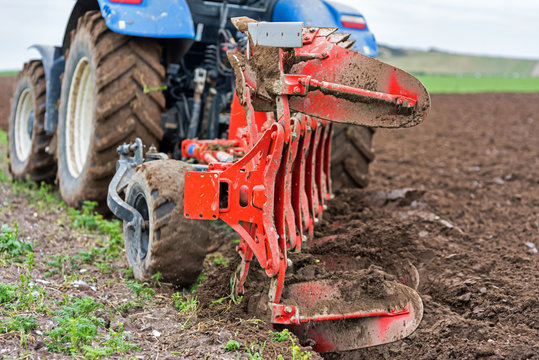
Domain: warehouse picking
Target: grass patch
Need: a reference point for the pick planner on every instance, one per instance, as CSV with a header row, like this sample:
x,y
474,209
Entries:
x,y
142,291
9,72
440,62
255,351
218,259
40,196
295,350
10,245
18,323
201,278
26,295
77,331
3,138
232,345
470,84
185,304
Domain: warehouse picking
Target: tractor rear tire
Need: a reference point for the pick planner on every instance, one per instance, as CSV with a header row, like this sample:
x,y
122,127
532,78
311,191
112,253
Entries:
x,y
28,142
351,153
106,100
169,243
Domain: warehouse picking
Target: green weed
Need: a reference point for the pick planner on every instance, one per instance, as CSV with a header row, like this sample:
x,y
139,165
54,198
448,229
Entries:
x,y
186,305
255,351
156,279
218,259
281,336
77,325
128,274
116,341
26,296
148,89
87,219
8,73
142,291
124,307
201,278
18,323
61,264
7,293
295,350
10,243
37,194
232,345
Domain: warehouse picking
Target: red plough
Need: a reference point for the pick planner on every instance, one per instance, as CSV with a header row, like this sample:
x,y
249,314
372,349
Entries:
x,y
270,180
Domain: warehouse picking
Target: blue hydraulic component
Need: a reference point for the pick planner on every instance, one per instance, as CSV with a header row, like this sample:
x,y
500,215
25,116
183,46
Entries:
x,y
53,62
150,18
327,14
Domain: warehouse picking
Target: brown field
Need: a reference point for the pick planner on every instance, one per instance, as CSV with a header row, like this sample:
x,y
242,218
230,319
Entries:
x,y
6,88
469,223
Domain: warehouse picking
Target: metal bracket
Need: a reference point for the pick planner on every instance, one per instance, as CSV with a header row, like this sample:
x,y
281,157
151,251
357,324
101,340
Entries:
x,y
53,63
125,167
276,34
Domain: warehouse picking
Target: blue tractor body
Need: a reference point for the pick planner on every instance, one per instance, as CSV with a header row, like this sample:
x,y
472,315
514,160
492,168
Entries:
x,y
328,14
186,27
173,19
149,18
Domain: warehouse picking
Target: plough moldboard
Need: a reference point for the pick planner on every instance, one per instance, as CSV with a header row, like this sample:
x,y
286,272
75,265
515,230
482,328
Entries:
x,y
276,192
270,180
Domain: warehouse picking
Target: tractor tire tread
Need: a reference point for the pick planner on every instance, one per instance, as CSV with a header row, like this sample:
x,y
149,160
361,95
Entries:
x,y
177,246
351,154
123,110
40,165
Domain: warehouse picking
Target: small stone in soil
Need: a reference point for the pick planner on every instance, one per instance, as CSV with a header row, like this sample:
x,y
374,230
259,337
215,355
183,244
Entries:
x,y
532,247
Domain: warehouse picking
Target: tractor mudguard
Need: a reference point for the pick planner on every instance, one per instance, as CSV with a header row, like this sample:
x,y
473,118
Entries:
x,y
53,63
149,18
326,14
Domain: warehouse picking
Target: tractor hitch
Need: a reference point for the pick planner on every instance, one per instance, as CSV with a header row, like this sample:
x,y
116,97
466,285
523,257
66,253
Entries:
x,y
125,168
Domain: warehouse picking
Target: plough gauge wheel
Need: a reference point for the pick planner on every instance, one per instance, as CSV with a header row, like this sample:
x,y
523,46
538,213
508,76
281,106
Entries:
x,y
168,243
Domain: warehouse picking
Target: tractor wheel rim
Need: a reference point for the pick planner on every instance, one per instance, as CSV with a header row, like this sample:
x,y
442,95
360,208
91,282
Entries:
x,y
79,117
23,125
141,245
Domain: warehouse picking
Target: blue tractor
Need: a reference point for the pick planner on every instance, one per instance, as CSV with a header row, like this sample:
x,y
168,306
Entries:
x,y
272,91
156,70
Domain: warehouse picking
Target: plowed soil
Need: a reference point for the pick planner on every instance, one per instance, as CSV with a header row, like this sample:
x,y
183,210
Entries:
x,y
457,196
6,89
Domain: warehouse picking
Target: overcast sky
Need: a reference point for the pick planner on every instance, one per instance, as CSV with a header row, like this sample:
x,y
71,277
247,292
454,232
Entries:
x,y
487,27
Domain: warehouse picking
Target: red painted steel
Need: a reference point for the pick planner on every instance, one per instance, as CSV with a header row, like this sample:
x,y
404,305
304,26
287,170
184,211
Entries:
x,y
270,179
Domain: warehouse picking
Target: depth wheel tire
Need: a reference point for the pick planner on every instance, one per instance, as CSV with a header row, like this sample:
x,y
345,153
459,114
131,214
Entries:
x,y
169,243
105,102
28,158
351,154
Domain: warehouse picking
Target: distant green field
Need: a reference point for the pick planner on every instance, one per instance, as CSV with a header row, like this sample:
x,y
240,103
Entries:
x,y
444,63
8,73
471,84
